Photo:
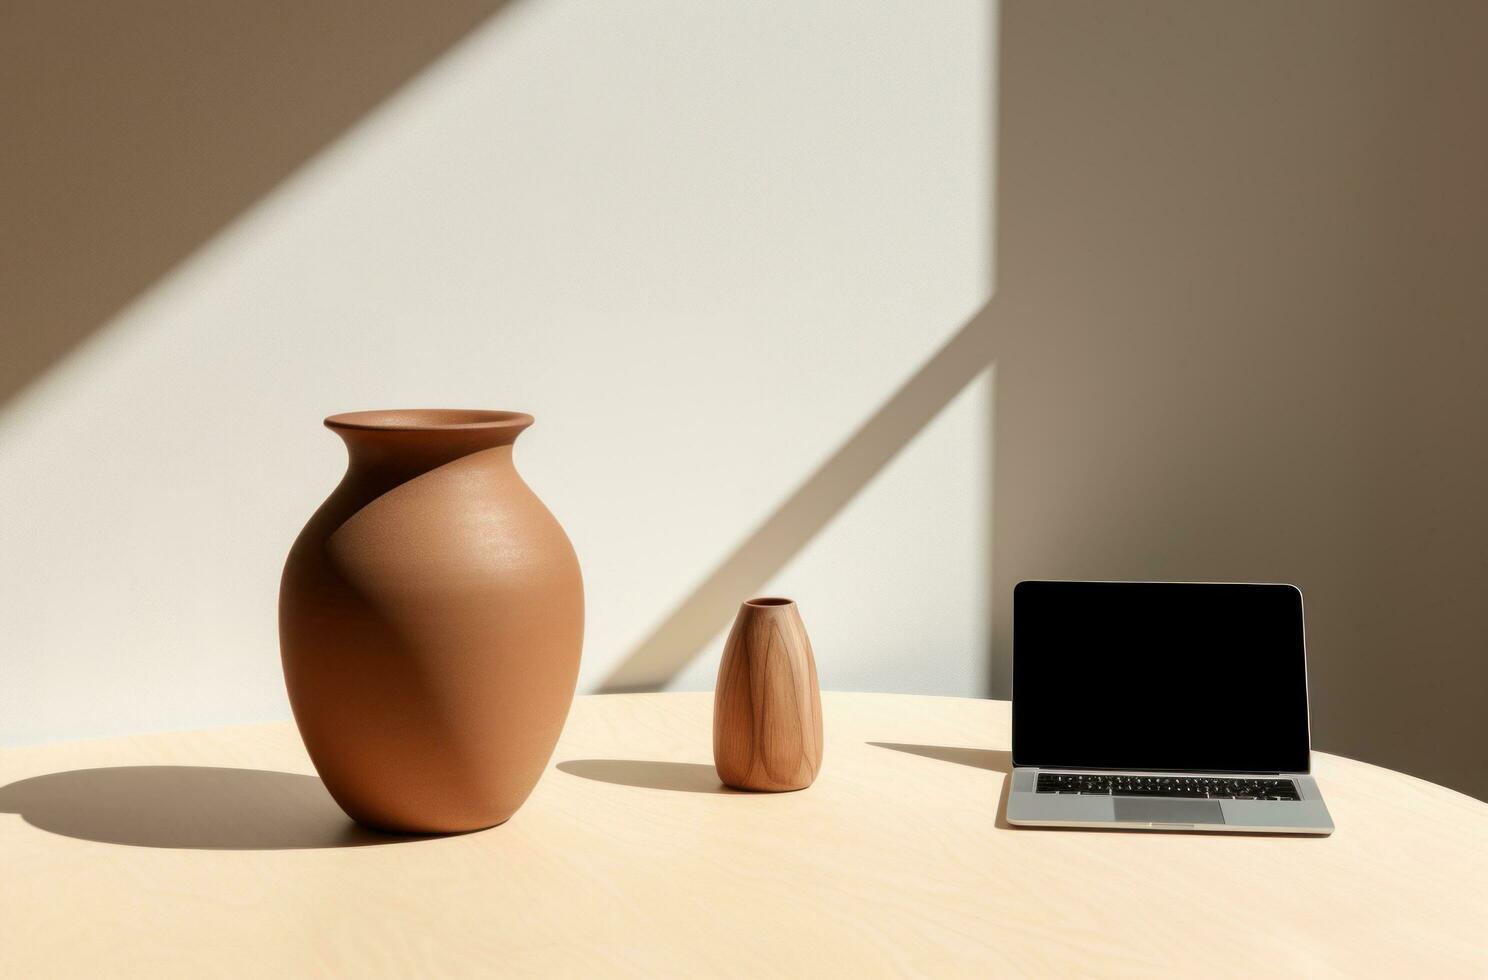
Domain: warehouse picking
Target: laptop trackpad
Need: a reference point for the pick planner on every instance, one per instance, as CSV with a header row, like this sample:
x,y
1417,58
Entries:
x,y
1135,810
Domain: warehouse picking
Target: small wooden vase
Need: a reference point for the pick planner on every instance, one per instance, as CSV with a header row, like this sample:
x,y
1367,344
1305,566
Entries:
x,y
767,720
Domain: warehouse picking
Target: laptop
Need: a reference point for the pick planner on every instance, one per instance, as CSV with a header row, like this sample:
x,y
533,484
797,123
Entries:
x,y
1162,706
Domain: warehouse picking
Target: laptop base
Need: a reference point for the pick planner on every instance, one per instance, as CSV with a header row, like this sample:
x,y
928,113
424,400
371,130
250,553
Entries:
x,y
1029,808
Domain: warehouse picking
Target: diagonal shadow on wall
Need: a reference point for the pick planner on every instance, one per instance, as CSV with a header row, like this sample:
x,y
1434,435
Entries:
x,y
133,132
684,633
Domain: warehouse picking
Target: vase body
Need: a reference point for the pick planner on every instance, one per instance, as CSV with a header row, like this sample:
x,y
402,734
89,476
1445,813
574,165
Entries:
x,y
767,721
430,622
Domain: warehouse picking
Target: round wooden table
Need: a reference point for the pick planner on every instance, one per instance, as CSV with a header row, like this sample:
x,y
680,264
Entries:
x,y
218,853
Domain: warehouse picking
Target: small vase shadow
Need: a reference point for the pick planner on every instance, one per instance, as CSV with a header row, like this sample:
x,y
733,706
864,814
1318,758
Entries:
x,y
200,807
684,777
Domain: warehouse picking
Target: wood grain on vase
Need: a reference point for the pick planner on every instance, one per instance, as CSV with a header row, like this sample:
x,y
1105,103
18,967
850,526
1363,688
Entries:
x,y
767,721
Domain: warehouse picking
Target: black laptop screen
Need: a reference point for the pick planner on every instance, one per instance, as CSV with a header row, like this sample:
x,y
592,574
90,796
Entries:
x,y
1167,676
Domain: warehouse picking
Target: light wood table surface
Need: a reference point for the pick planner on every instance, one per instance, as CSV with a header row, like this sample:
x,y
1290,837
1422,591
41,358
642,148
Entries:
x,y
217,853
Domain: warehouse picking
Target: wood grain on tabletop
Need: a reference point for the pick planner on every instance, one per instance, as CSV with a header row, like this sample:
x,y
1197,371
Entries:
x,y
218,853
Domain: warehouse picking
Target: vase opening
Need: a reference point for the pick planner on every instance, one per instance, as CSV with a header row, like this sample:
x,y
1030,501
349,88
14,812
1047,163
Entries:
x,y
769,600
398,444
428,420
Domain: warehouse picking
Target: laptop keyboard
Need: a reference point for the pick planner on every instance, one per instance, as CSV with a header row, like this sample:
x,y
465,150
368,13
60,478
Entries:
x,y
1187,787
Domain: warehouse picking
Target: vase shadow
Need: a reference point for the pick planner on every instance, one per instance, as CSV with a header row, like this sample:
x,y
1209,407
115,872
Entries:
x,y
188,807
684,777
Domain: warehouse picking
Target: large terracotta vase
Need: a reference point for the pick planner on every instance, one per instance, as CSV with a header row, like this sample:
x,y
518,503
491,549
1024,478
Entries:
x,y
430,621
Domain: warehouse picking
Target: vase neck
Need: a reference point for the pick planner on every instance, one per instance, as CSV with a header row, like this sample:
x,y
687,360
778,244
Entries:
x,y
399,445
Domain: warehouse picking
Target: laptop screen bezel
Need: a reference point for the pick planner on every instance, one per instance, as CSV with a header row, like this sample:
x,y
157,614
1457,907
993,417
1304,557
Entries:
x,y
1306,693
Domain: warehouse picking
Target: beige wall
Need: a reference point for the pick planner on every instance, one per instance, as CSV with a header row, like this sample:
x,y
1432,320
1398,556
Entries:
x,y
728,258
1245,325
133,131
701,242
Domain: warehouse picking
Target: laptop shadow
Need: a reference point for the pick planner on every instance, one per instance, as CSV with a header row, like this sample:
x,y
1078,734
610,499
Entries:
x,y
992,760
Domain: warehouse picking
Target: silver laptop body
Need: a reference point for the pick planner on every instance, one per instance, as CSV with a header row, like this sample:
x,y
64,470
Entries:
x,y
1114,681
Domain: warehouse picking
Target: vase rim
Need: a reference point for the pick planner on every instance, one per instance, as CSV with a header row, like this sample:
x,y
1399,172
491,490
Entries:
x,y
428,420
767,601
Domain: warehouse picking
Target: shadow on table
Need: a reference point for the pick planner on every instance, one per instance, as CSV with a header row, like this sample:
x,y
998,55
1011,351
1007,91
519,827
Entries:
x,y
996,760
199,807
993,760
685,777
